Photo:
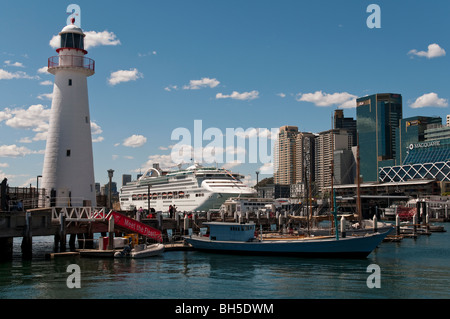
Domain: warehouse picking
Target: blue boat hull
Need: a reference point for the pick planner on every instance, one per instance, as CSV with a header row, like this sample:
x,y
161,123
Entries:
x,y
350,247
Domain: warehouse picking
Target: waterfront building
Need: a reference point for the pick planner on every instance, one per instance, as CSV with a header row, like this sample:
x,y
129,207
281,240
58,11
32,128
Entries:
x,y
68,171
412,130
378,118
426,159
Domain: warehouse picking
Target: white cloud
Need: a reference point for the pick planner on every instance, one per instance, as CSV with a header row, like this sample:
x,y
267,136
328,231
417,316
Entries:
x,y
45,96
434,51
258,132
5,75
146,54
135,141
202,83
43,70
15,151
124,76
164,161
170,88
267,168
239,96
36,117
429,99
96,130
343,100
16,64
46,83
92,39
282,95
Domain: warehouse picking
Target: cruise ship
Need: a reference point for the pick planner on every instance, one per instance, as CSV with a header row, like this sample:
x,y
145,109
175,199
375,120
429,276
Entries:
x,y
196,188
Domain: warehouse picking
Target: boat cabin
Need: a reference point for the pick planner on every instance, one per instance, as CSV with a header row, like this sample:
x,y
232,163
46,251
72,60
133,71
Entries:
x,y
231,231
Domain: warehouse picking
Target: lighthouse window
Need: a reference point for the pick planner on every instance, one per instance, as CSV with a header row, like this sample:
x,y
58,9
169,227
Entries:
x,y
70,82
68,153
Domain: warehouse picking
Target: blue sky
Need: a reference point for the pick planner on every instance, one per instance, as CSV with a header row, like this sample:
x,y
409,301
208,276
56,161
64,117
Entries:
x,y
246,64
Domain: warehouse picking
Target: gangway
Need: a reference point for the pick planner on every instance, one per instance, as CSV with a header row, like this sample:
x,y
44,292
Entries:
x,y
88,214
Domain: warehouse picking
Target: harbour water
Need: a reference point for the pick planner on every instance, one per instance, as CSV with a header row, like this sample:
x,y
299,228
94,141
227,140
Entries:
x,y
413,268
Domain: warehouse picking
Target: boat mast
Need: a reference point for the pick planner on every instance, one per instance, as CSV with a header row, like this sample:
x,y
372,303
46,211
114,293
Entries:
x,y
358,182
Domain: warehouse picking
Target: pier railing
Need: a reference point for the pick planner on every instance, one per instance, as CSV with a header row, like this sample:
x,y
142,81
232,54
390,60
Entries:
x,y
80,214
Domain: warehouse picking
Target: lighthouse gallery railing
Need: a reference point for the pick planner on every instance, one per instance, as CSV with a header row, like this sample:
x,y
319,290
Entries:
x,y
71,61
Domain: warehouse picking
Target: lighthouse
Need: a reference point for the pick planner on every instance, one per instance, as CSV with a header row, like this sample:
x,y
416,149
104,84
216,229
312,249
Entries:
x,y
68,172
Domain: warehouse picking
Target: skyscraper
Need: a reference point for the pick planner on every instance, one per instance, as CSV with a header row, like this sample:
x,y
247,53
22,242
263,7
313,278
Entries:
x,y
294,156
378,118
285,169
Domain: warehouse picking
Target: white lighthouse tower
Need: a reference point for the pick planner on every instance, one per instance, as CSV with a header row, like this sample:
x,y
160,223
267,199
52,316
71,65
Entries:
x,y
68,173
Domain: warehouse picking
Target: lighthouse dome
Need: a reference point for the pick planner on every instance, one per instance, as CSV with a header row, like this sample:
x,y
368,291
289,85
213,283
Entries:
x,y
71,28
72,37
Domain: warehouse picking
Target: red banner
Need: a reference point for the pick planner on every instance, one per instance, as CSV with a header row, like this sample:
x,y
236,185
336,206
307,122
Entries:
x,y
137,227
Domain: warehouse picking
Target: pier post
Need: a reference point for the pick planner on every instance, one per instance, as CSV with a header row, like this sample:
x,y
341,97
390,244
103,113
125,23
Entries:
x,y
375,223
177,219
247,216
6,248
280,221
186,225
72,240
208,216
27,240
111,233
397,225
414,224
62,232
343,234
427,225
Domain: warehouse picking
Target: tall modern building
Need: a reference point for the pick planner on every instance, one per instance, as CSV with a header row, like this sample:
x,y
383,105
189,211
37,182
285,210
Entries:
x,y
285,161
378,117
347,123
294,157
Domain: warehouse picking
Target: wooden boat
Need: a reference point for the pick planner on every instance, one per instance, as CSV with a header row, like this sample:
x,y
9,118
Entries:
x,y
141,251
240,238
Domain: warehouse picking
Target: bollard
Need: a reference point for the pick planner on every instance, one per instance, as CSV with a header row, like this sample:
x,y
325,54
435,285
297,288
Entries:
x,y
343,234
375,224
427,222
414,224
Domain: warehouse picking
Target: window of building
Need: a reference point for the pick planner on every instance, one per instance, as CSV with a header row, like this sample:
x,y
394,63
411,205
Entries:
x,y
68,153
70,82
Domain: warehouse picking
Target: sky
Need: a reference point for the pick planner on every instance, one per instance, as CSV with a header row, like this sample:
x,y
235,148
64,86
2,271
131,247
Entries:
x,y
178,72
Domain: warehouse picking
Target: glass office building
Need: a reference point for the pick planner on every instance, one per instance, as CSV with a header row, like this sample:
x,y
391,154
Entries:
x,y
412,131
426,159
378,117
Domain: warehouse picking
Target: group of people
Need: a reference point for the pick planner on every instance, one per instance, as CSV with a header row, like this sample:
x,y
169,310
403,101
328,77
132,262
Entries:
x,y
172,211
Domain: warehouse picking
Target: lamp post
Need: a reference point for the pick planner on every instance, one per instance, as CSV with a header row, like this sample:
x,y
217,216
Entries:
x,y
37,190
257,181
110,175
